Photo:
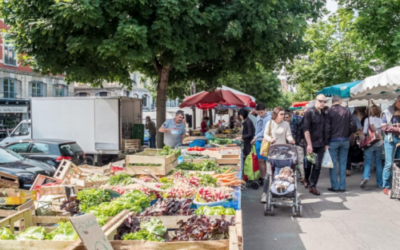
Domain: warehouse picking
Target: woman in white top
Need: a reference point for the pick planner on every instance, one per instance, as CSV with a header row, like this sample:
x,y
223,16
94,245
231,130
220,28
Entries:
x,y
374,150
277,131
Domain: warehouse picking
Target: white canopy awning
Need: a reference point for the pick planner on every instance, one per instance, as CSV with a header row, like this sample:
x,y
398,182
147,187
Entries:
x,y
384,86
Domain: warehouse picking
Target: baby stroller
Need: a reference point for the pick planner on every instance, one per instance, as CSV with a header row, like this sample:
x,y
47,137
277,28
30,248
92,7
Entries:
x,y
394,193
280,156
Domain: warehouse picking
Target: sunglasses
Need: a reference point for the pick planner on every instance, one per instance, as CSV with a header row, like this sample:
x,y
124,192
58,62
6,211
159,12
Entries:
x,y
322,101
287,117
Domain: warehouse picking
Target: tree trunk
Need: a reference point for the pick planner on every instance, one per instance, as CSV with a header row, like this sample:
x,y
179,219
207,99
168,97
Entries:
x,y
162,88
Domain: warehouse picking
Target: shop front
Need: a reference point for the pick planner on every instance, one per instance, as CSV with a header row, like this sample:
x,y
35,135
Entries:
x,y
12,112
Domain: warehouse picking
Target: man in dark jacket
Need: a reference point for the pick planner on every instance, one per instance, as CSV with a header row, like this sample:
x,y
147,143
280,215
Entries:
x,y
339,125
313,126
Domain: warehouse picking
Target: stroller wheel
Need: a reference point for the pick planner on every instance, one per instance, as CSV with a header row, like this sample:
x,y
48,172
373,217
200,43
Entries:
x,y
300,211
254,185
265,210
294,212
268,210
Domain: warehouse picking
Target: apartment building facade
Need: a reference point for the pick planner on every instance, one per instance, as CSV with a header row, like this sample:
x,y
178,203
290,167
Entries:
x,y
18,84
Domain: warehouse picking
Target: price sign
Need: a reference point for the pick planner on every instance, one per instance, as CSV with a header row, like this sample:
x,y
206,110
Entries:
x,y
90,232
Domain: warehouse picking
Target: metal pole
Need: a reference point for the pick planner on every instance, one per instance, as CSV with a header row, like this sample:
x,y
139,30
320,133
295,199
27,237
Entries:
x,y
192,92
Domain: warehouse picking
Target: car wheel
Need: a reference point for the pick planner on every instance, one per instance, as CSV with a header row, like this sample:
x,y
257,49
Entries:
x,y
90,161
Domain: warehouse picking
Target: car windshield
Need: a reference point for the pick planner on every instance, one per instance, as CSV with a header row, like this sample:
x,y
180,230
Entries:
x,y
70,149
8,156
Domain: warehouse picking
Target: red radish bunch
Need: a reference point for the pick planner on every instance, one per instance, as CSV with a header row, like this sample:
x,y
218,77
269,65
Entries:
x,y
180,191
118,189
146,179
194,181
178,175
149,192
210,194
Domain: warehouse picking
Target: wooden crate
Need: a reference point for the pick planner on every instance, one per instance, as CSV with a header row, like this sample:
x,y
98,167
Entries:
x,y
67,170
43,179
164,163
87,169
57,190
235,241
8,180
131,144
29,204
87,184
11,196
25,219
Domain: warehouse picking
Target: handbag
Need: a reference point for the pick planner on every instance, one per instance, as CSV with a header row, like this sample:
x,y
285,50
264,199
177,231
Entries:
x,y
373,136
266,144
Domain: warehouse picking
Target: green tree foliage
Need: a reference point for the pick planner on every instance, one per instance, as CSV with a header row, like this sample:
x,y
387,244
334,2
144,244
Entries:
x,y
337,55
263,85
378,24
175,41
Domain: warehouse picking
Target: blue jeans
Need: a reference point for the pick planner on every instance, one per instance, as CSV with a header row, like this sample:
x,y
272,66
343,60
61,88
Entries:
x,y
152,141
339,152
389,154
369,153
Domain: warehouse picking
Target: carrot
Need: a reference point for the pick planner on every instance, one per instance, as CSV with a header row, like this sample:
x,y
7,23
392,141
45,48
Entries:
x,y
228,170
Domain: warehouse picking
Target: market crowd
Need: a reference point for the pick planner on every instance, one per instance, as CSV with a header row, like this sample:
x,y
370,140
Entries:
x,y
313,131
317,129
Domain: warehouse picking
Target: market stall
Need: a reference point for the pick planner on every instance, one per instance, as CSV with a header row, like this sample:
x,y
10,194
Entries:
x,y
147,199
383,86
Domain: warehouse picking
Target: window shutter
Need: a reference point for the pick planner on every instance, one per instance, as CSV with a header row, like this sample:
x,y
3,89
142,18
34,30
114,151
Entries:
x,y
1,87
44,89
29,89
18,88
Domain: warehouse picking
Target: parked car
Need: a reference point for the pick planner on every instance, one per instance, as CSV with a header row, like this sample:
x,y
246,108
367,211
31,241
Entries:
x,y
25,169
50,151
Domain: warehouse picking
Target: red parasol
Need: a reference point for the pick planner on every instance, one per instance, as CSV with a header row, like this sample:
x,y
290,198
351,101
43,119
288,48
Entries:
x,y
219,96
299,104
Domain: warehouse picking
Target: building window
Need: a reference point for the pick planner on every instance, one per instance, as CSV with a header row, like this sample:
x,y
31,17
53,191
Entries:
x,y
37,89
144,100
135,96
9,88
82,94
103,93
127,93
134,80
60,90
10,57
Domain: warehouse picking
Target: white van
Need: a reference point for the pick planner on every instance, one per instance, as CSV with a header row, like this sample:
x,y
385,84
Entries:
x,y
21,132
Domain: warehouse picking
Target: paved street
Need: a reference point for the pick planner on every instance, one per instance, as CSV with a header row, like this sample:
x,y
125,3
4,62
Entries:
x,y
357,219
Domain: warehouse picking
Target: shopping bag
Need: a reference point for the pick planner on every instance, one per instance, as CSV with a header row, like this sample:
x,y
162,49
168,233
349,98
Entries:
x,y
256,166
327,160
264,148
266,144
249,173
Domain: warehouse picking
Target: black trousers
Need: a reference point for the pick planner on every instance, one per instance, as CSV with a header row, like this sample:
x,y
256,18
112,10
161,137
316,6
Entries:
x,y
312,171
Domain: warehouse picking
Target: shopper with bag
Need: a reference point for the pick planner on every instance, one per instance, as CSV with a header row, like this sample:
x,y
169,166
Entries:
x,y
314,122
277,131
373,122
391,126
248,132
262,119
339,125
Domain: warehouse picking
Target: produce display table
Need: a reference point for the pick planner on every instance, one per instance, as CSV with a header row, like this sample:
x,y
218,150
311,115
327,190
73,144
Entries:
x,y
226,157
